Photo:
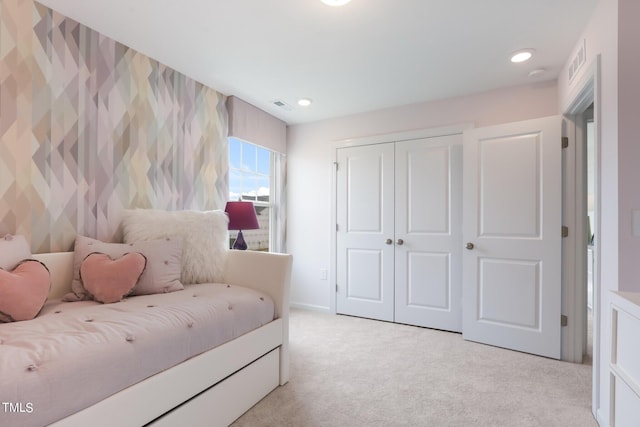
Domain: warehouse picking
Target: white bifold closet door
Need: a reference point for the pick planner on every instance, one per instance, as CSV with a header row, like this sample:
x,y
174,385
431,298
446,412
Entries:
x,y
365,221
399,232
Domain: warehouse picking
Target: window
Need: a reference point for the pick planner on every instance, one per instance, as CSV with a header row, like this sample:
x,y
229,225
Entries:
x,y
250,171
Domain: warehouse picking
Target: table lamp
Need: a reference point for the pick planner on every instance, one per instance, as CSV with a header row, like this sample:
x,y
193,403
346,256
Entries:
x,y
242,216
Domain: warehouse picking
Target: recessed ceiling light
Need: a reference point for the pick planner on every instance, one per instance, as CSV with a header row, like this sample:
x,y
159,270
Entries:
x,y
335,2
538,72
304,102
522,55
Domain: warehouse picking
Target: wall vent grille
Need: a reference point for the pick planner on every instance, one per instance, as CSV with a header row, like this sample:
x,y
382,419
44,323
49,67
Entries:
x,y
281,104
578,60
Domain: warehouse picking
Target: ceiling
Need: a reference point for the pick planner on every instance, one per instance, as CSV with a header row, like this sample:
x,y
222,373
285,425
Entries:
x,y
367,55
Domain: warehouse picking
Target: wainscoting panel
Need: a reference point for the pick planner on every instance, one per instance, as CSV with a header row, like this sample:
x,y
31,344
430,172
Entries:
x,y
625,359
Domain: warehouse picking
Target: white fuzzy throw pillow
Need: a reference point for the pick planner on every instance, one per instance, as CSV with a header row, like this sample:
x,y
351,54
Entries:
x,y
204,238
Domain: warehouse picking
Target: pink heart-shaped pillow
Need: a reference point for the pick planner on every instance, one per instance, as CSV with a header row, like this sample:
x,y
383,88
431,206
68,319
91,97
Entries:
x,y
23,291
110,280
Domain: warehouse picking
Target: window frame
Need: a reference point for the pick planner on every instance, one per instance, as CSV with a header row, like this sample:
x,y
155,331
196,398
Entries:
x,y
242,172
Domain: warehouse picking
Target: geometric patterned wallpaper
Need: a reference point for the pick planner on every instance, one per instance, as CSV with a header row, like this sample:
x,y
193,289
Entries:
x,y
89,127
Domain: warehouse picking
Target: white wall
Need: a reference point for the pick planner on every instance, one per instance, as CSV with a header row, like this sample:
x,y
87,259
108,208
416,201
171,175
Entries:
x,y
628,142
310,168
613,35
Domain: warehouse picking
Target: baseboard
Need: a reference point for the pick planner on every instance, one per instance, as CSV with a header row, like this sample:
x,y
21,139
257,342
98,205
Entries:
x,y
310,307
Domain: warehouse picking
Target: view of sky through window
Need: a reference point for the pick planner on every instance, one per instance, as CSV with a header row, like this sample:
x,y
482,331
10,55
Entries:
x,y
249,180
249,170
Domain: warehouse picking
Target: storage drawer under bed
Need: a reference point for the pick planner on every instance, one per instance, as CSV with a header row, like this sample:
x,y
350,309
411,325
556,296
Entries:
x,y
219,405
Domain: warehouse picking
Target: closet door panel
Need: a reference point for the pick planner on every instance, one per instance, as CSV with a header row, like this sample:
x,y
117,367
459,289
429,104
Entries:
x,y
365,261
436,267
428,250
424,200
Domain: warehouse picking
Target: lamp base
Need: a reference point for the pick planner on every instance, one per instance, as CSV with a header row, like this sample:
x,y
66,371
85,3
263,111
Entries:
x,y
240,244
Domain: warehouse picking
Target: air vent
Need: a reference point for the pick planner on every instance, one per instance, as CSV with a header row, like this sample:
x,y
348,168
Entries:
x,y
282,104
578,60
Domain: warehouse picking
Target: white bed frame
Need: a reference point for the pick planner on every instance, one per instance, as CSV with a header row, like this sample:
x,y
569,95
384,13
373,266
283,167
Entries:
x,y
213,388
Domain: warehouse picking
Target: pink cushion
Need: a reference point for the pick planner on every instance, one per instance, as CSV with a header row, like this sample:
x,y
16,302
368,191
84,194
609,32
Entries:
x,y
110,280
23,291
161,275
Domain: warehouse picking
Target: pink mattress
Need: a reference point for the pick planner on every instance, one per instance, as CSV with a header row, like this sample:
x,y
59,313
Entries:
x,y
75,354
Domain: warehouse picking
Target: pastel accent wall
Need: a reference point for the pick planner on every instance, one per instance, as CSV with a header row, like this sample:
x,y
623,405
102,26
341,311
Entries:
x,y
89,127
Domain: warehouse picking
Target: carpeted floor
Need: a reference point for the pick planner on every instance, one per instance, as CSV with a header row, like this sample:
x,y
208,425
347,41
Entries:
x,y
347,371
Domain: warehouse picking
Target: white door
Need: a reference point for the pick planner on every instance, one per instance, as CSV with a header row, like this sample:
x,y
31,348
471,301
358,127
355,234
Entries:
x,y
428,232
512,230
365,250
399,232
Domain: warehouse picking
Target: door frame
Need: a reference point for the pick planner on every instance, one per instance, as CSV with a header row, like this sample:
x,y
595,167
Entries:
x,y
457,129
586,91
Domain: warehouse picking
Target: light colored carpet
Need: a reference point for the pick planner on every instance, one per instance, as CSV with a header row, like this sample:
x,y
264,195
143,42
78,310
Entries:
x,y
347,371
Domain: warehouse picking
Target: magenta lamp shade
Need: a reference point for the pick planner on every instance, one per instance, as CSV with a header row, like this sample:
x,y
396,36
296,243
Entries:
x,y
242,216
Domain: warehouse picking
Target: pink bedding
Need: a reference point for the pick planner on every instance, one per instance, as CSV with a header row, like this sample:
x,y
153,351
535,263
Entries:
x,y
74,354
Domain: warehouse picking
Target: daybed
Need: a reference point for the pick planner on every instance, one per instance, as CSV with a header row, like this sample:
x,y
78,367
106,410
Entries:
x,y
211,388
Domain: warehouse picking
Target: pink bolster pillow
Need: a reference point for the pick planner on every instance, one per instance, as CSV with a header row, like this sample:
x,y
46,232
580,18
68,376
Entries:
x,y
23,291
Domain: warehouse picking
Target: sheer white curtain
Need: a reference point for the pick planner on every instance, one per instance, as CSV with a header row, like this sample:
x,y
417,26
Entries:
x,y
279,207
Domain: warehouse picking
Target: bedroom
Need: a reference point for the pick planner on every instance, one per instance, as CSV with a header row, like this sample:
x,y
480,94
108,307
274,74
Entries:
x,y
610,35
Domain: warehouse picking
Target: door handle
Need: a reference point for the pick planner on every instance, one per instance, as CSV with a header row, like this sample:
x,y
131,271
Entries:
x,y
469,245
389,241
399,242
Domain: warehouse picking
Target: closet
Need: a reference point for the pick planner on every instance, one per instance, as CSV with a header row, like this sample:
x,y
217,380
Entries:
x,y
406,251
399,235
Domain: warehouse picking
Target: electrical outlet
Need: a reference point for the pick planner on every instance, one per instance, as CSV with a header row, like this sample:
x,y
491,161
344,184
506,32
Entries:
x,y
323,274
635,223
